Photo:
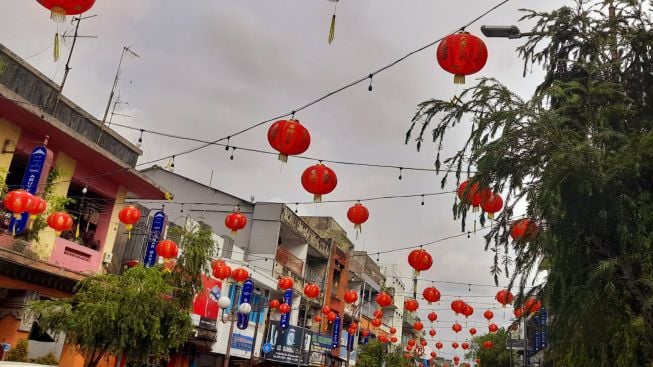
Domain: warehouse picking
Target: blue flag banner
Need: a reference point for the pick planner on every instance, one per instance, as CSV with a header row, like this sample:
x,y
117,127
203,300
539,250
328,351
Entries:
x,y
350,342
34,173
245,297
285,318
335,338
156,233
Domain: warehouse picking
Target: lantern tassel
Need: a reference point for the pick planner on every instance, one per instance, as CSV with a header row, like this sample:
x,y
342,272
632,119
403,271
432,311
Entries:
x,y
459,79
58,14
317,198
332,30
233,233
358,228
56,49
490,215
283,157
474,226
77,230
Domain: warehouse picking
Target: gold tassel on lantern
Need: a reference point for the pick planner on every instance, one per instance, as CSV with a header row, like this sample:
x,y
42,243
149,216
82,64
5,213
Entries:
x,y
56,47
332,29
459,79
58,14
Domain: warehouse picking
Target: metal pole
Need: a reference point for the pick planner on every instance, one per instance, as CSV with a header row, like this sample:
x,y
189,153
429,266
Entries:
x,y
301,346
232,315
262,302
525,343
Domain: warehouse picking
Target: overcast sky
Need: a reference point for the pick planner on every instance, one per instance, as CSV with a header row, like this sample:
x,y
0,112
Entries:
x,y
214,67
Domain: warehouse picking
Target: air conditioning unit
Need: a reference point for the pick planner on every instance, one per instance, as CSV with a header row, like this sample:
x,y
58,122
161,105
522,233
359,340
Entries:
x,y
108,256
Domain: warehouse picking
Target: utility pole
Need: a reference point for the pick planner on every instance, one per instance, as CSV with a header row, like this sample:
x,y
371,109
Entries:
x,y
263,301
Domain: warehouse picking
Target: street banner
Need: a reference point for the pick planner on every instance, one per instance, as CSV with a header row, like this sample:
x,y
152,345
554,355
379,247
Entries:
x,y
335,338
287,344
285,318
37,171
350,342
156,232
320,348
245,297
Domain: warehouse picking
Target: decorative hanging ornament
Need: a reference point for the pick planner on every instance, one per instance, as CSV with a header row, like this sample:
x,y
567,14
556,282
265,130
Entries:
x,y
456,327
38,207
492,205
493,328
532,305
274,304
378,314
433,354
60,222
394,339
376,322
488,344
167,249
518,312
431,294
393,330
235,221
420,260
432,316
454,345
432,332
221,271
326,310
284,308
289,137
462,54
423,342
411,305
523,230
383,299
317,319
240,275
488,315
311,291
129,216
465,346
60,8
418,326
504,297
411,342
18,202
439,345
285,283
472,331
319,180
358,214
457,306
468,311
351,296
332,28
365,333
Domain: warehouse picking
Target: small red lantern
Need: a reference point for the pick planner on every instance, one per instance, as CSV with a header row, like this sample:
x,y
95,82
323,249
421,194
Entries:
x,y
284,308
129,216
462,54
358,214
433,355
458,306
18,202
488,315
319,180
519,312
465,346
492,205
351,296
378,314
289,137
376,322
383,299
431,294
285,283
411,305
432,332
240,275
488,344
423,342
167,249
394,339
472,331
504,297
432,316
317,319
468,311
132,263
456,327
411,342
418,326
478,361
60,8
454,345
493,328
365,333
312,291
326,310
532,305
222,271
393,330
235,221
439,345
38,207
274,304
420,260
60,222
523,230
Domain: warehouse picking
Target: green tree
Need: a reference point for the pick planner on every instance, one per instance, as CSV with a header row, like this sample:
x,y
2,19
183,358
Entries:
x,y
579,153
375,354
143,313
18,353
498,355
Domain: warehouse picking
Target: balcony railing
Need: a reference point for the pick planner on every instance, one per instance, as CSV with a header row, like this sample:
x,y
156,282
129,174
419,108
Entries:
x,y
75,257
290,261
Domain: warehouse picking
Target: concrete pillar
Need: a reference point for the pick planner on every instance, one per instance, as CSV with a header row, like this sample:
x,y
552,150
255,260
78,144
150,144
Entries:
x,y
113,224
8,133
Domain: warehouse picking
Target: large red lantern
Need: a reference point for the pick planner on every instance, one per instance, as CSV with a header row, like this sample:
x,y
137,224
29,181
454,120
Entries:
x,y
38,207
285,283
439,345
235,221
129,216
60,222
289,137
18,202
167,249
222,271
312,291
523,230
358,214
468,311
60,8
376,322
319,180
488,315
420,260
351,296
284,308
432,316
411,305
383,299
493,328
418,326
492,205
462,54
456,327
504,297
457,306
431,294
472,331
240,275
274,304
432,332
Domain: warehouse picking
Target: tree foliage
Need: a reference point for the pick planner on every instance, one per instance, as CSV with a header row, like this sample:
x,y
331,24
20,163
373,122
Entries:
x,y
579,153
375,354
498,355
142,313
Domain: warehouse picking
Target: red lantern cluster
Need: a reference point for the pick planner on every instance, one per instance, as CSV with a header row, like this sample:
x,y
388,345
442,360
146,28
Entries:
x,y
235,221
465,346
288,137
376,322
167,249
332,316
18,202
532,305
431,294
458,306
60,8
468,311
326,310
358,214
38,207
523,230
60,222
420,260
383,299
504,297
462,54
488,344
319,180
476,196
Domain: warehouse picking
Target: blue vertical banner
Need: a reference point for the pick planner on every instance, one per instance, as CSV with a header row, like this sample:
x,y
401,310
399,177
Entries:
x,y
536,346
37,169
542,329
350,342
154,236
366,340
285,318
245,297
335,338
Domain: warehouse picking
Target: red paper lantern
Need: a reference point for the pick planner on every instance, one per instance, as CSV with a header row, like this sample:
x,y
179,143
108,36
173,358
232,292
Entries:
x,y
235,221
456,358
493,328
411,342
319,180
492,205
167,249
432,316
532,305
18,202
411,305
332,316
288,137
317,319
326,310
488,315
358,214
439,345
274,304
456,327
465,346
312,291
468,311
523,230
418,326
284,308
351,296
394,339
472,331
378,314
60,222
393,330
420,260
383,299
519,312
285,283
129,216
240,275
423,342
458,306
488,344
365,333
60,8
132,263
376,322
454,345
433,355
222,271
431,294
432,332
38,207
504,297
462,54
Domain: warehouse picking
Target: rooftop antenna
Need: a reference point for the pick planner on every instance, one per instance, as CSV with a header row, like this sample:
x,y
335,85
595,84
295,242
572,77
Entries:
x,y
116,105
125,50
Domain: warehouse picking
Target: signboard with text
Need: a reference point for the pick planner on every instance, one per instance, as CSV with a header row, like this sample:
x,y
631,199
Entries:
x,y
288,345
36,172
155,235
320,347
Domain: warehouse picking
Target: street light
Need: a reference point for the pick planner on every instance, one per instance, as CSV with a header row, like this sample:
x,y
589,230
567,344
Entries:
x,y
503,31
244,308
